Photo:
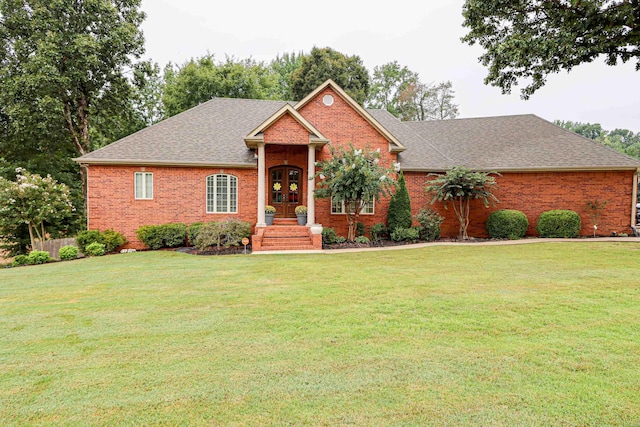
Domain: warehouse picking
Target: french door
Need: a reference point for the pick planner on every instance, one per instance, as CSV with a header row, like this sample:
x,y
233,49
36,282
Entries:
x,y
285,190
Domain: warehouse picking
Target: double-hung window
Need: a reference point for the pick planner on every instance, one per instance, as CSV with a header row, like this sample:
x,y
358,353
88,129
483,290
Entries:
x,y
222,194
338,207
143,186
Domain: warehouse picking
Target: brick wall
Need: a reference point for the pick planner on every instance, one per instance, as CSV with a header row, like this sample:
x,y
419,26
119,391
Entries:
x,y
534,193
179,195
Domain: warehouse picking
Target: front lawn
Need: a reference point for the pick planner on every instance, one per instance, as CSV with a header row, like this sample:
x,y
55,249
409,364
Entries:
x,y
540,334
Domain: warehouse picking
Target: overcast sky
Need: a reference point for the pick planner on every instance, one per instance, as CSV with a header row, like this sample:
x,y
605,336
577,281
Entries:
x,y
422,35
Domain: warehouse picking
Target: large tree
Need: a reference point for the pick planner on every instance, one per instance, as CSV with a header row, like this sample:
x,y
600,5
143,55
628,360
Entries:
x,y
199,80
325,63
283,66
526,40
622,140
69,57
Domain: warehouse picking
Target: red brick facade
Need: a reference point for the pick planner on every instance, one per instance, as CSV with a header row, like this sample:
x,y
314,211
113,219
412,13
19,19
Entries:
x,y
180,192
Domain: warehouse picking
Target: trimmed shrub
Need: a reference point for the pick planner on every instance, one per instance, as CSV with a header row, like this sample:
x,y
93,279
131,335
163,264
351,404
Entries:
x,y
559,223
359,229
362,239
226,233
150,236
329,236
507,224
430,222
20,260
399,214
173,234
68,252
402,234
95,249
111,240
378,231
192,231
39,257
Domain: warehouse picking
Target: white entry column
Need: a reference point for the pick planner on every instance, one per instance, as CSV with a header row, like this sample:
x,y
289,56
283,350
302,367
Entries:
x,y
311,183
262,186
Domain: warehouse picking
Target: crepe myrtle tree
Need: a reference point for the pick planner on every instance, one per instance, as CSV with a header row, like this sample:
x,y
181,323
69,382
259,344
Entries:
x,y
459,186
34,201
354,177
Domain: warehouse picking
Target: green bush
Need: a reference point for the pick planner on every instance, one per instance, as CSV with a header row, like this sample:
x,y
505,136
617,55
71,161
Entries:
x,y
226,233
507,224
378,231
192,231
402,234
109,238
341,239
20,260
362,239
430,222
329,236
399,214
39,257
68,252
559,223
162,236
95,249
360,229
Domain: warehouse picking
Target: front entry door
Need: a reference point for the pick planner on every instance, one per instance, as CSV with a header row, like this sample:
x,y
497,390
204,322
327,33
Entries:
x,y
285,189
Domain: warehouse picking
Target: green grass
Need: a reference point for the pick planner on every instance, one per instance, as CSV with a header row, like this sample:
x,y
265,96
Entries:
x,y
542,334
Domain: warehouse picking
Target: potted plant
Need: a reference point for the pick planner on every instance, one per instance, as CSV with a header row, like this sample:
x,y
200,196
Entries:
x,y
301,213
269,214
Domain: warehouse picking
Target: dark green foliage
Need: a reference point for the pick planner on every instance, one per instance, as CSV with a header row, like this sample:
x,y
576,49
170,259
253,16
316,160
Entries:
x,y
362,239
402,234
20,260
325,63
430,222
95,249
329,236
162,236
111,239
192,231
559,223
68,252
399,214
378,231
360,229
507,224
39,257
226,233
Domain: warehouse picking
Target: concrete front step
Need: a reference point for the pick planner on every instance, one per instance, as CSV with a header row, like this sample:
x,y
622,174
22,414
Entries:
x,y
285,235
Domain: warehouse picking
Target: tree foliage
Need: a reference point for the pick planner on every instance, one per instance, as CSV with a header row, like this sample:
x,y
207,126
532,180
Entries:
x,y
526,40
353,176
459,186
283,67
67,58
400,91
622,140
34,201
199,80
325,63
399,213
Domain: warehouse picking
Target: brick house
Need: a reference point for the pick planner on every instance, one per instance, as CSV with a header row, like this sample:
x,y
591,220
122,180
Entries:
x,y
231,157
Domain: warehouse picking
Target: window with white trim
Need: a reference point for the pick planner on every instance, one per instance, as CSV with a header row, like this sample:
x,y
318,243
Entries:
x,y
337,207
143,185
222,194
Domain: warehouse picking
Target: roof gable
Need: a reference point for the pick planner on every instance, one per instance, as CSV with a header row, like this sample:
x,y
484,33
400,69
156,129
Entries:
x,y
257,135
394,144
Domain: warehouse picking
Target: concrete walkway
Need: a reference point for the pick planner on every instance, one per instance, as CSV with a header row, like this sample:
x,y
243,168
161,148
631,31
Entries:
x,y
525,241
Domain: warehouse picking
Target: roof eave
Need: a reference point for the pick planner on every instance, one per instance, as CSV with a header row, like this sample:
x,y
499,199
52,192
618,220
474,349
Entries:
x,y
162,163
532,169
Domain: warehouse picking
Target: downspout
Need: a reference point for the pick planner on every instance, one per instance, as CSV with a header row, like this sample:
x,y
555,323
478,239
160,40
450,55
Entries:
x,y
634,202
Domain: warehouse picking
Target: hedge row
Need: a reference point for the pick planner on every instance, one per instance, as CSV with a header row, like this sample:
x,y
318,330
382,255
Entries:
x,y
513,224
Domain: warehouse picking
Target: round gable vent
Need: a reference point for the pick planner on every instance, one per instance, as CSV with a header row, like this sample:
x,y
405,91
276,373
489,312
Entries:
x,y
327,100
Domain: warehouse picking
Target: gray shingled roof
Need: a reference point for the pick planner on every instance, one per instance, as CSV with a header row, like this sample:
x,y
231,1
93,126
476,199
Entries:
x,y
212,134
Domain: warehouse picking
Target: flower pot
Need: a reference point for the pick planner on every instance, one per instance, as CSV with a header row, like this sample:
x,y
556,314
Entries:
x,y
302,219
268,218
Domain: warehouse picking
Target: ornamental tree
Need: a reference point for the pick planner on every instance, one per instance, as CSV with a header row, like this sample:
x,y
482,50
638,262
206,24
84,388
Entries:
x,y
399,214
34,201
354,177
460,186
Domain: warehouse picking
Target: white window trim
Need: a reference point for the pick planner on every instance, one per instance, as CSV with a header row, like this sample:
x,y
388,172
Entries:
x,y
215,194
145,176
362,212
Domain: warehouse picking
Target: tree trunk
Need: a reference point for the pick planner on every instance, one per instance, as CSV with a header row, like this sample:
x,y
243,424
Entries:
x,y
78,126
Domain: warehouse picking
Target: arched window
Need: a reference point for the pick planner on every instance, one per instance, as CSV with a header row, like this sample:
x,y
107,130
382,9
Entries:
x,y
222,194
